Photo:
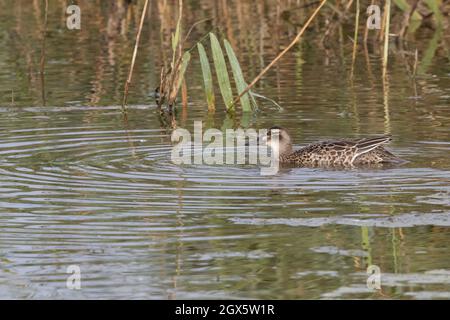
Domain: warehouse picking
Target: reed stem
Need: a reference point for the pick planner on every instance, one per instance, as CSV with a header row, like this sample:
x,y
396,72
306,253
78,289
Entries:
x,y
355,38
386,37
42,59
133,59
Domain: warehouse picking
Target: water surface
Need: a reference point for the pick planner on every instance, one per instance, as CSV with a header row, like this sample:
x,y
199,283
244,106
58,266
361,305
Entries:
x,y
79,185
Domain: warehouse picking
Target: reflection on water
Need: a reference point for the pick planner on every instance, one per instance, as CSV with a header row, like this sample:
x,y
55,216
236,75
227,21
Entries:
x,y
79,185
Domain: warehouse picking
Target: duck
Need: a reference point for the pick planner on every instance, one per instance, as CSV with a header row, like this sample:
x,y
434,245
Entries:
x,y
345,152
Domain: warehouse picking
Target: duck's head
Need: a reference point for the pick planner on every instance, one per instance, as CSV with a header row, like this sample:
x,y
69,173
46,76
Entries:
x,y
284,142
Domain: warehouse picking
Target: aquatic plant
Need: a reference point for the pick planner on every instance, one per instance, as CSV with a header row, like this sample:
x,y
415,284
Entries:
x,y
207,77
247,98
221,66
221,72
245,95
247,101
172,75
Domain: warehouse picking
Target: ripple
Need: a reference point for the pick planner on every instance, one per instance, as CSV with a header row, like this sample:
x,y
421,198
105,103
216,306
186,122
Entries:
x,y
107,197
397,221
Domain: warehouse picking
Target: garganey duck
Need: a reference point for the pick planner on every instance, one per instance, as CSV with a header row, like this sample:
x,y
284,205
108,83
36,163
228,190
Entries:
x,y
364,151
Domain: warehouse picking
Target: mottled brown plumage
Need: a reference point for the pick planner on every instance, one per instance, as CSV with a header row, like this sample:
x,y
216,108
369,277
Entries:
x,y
365,151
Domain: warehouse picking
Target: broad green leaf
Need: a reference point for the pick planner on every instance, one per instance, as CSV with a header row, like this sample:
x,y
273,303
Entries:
x,y
207,76
238,76
221,72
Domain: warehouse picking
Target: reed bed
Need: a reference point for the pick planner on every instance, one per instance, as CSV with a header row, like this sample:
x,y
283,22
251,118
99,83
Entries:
x,y
396,17
254,30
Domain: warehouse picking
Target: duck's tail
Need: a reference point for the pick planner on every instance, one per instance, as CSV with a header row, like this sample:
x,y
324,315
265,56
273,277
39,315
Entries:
x,y
389,157
364,146
368,144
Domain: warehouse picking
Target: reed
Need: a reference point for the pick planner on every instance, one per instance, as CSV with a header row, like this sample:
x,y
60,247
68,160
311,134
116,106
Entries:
x,y
172,75
184,96
248,100
416,61
228,71
386,36
133,59
355,39
43,54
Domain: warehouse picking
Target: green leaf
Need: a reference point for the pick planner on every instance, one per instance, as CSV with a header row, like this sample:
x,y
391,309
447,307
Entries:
x,y
222,72
238,77
176,37
207,76
184,63
405,7
434,6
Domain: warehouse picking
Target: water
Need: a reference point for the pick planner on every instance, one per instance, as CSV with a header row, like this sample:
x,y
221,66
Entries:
x,y
81,186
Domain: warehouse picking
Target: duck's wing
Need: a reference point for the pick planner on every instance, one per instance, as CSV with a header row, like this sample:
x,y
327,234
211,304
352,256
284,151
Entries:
x,y
368,144
336,151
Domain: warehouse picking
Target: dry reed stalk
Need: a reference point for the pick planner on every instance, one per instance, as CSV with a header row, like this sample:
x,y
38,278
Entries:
x,y
278,57
42,59
184,95
133,59
416,61
355,38
44,32
386,37
383,24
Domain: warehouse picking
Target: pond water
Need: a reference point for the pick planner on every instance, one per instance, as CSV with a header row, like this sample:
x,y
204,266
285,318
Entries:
x,y
81,186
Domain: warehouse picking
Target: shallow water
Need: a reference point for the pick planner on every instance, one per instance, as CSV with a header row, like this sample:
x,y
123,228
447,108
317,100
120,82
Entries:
x,y
81,186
